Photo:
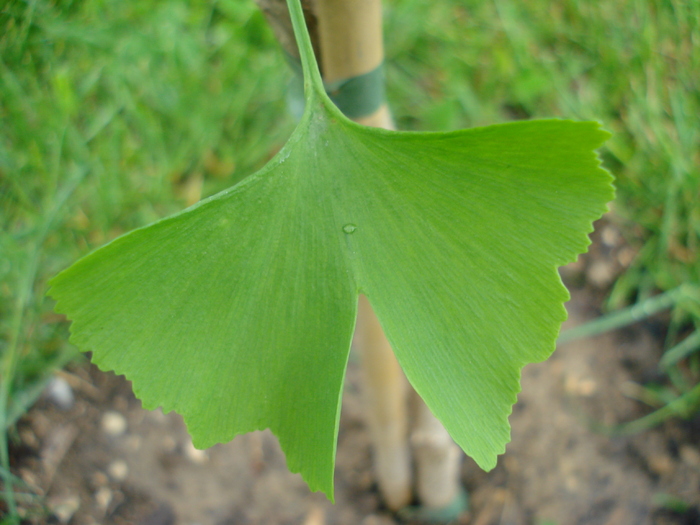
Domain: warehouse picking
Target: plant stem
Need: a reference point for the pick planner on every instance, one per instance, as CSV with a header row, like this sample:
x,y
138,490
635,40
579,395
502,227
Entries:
x,y
385,390
627,316
313,84
684,406
683,349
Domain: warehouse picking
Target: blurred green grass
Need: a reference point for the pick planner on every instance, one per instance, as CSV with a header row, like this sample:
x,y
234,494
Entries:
x,y
114,113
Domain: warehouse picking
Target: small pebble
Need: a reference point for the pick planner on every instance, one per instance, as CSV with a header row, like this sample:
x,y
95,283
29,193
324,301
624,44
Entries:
x,y
626,256
601,273
661,464
157,416
580,386
571,483
118,470
587,387
41,424
113,423
59,392
168,444
133,443
690,456
30,480
64,508
103,497
195,455
29,438
610,236
316,516
99,479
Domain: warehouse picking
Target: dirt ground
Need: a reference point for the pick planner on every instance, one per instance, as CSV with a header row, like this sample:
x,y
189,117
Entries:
x,y
105,460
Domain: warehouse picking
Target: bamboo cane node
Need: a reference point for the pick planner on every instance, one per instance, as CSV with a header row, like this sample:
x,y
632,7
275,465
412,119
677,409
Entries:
x,y
357,97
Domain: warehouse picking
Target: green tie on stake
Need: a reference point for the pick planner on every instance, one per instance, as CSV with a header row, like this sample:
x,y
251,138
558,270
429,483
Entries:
x,y
238,312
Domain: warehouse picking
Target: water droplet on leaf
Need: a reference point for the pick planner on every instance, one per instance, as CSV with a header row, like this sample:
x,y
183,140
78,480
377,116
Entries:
x,y
349,228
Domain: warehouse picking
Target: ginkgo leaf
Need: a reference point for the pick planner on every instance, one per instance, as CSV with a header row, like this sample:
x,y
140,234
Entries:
x,y
238,312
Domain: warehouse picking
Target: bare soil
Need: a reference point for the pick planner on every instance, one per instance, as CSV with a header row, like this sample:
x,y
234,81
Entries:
x,y
106,460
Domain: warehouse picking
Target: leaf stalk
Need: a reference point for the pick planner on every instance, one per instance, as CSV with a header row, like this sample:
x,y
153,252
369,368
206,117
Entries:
x,y
313,83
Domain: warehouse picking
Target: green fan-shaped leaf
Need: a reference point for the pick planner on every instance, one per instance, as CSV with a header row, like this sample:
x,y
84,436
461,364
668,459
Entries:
x,y
238,312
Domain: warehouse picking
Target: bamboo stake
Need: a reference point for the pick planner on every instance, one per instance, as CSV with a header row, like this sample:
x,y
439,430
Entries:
x,y
350,35
438,459
386,391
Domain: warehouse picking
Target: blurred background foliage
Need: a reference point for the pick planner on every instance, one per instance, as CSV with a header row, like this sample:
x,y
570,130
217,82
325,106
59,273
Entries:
x,y
114,113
